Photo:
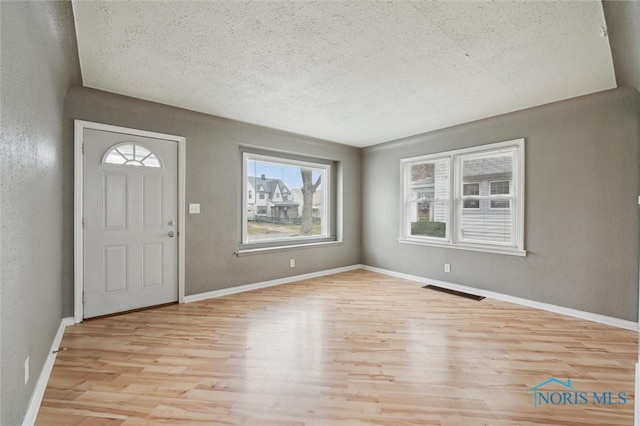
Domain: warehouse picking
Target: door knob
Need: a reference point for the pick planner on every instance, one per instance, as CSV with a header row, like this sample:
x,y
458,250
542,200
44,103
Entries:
x,y
171,234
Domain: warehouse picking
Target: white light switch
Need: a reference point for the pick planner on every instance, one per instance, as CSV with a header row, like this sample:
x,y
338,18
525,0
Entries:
x,y
194,208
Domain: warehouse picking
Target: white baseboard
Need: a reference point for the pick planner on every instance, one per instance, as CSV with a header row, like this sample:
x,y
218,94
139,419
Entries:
x,y
43,378
602,319
248,287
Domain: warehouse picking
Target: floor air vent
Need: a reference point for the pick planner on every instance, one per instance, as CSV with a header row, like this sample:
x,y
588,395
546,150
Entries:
x,y
454,292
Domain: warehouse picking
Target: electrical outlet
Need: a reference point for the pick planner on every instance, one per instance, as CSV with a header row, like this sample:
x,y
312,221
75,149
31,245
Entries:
x,y
447,267
292,263
26,371
194,208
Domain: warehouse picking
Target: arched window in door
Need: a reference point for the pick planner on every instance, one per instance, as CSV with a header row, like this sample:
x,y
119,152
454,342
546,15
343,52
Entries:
x,y
131,154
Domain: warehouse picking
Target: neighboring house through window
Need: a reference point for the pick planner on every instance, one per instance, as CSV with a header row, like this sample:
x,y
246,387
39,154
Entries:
x,y
471,189
500,188
293,204
471,198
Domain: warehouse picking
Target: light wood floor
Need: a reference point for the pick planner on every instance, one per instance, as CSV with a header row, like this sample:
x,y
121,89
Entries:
x,y
348,349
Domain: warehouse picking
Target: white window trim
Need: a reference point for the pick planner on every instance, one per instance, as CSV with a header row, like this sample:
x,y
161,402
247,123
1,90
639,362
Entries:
x,y
405,223
284,242
453,238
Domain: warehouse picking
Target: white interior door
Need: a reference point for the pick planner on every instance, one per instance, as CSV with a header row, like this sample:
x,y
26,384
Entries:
x,y
130,213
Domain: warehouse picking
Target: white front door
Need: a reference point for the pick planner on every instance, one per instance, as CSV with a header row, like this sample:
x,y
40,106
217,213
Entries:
x,y
130,213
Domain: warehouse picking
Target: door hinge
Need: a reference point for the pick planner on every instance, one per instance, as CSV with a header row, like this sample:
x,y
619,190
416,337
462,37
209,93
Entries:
x,y
83,223
83,147
83,297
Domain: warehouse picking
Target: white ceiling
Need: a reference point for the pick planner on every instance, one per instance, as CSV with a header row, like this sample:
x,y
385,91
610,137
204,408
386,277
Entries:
x,y
354,72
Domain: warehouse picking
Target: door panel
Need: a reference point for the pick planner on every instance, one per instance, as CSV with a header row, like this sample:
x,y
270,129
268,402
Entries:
x,y
152,202
115,269
130,211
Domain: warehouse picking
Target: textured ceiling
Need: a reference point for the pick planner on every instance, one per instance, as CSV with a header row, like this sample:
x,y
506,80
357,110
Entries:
x,y
354,72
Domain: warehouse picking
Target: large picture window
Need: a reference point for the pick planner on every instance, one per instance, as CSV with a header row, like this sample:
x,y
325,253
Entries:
x,y
471,198
293,200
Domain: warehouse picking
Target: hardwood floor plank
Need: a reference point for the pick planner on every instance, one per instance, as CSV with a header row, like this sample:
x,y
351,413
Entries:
x,y
353,348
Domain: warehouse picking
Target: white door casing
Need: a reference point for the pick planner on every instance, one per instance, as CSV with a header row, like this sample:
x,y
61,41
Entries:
x,y
129,224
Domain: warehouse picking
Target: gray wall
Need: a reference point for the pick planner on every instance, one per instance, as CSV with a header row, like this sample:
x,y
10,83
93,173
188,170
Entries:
x,y
581,213
623,26
214,173
39,63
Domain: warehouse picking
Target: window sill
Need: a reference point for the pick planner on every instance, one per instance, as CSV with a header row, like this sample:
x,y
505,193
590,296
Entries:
x,y
468,247
246,250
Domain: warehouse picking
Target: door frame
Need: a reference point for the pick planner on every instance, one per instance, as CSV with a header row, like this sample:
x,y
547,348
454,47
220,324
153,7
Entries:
x,y
79,126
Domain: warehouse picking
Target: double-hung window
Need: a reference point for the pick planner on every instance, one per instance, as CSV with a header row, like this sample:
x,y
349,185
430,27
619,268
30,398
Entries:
x,y
470,198
294,203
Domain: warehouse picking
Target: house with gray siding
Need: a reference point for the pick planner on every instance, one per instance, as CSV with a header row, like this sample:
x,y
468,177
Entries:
x,y
270,200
